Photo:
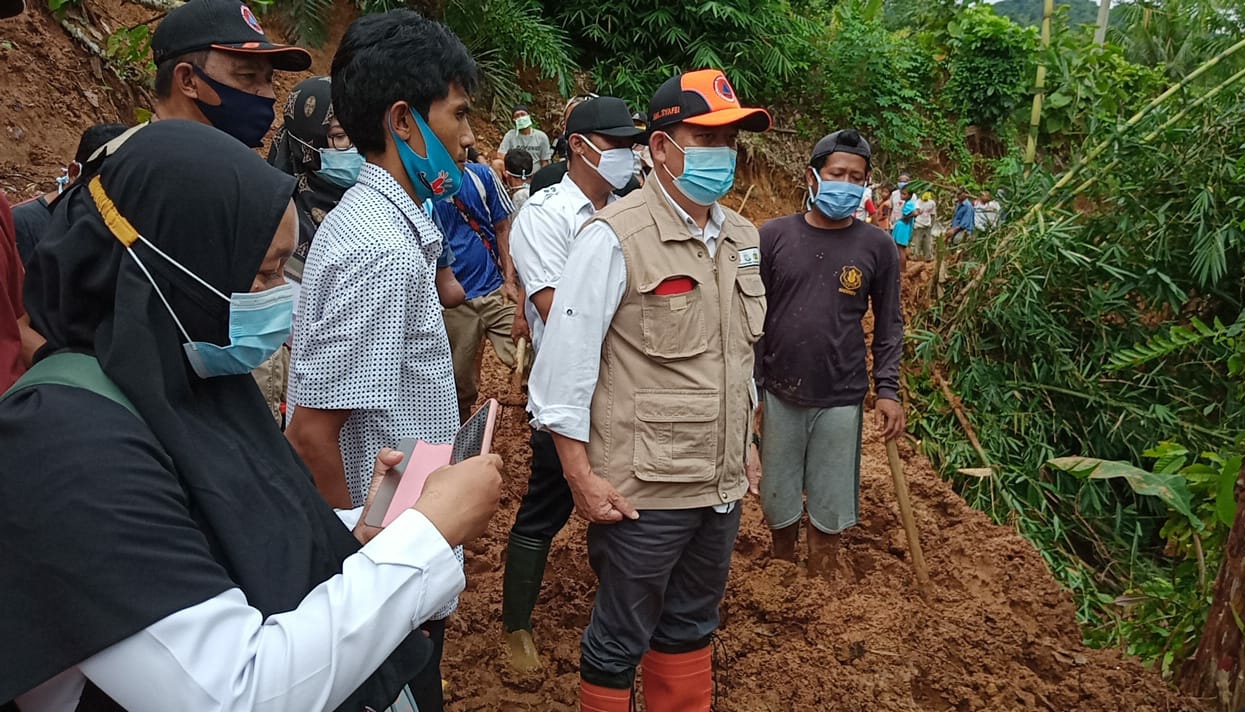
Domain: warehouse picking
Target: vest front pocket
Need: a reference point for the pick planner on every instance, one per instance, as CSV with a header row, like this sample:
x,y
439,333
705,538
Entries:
x,y
673,325
752,294
676,435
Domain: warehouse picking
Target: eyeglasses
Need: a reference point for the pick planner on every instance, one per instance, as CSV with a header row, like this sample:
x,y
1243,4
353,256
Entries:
x,y
339,139
336,140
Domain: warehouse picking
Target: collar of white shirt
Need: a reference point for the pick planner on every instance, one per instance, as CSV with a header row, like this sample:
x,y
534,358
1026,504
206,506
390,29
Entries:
x,y
576,198
378,179
713,228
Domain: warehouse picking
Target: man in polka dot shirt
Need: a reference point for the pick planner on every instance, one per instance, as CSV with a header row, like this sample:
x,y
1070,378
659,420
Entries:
x,y
371,359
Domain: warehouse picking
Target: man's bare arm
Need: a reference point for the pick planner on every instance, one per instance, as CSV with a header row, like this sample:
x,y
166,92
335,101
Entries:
x,y
314,434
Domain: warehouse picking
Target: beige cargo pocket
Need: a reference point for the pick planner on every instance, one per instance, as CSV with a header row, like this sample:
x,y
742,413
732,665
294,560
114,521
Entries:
x,y
673,325
676,435
752,293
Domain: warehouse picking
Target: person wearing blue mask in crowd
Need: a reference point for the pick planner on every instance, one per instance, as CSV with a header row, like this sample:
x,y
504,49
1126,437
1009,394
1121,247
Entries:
x,y
371,360
822,270
312,146
643,381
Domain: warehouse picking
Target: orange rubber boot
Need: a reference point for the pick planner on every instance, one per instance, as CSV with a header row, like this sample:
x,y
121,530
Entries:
x,y
680,682
594,698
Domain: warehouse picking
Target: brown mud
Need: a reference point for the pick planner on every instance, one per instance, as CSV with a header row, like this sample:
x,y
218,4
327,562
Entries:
x,y
996,634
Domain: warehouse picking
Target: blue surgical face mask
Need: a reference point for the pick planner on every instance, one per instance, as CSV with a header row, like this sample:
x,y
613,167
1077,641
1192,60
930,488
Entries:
x,y
259,323
836,199
436,176
708,172
245,116
340,166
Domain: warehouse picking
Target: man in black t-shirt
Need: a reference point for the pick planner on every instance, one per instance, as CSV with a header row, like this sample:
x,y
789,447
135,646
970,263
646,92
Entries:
x,y
821,269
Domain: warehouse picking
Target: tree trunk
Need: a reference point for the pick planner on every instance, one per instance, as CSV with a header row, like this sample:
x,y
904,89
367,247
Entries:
x,y
1104,16
1215,671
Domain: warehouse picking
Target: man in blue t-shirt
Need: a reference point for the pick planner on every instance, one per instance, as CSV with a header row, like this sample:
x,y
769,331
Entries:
x,y
964,220
476,222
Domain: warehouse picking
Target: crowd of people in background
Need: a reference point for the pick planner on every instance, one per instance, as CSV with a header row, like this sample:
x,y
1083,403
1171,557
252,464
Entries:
x,y
214,356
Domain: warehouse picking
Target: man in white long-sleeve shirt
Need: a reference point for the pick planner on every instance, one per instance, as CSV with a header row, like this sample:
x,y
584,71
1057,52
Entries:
x,y
600,134
644,385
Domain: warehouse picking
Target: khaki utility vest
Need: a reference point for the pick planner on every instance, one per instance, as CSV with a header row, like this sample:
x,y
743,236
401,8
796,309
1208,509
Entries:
x,y
671,411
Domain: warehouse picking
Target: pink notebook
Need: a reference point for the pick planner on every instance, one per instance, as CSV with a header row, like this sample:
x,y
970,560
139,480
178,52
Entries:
x,y
404,483
423,459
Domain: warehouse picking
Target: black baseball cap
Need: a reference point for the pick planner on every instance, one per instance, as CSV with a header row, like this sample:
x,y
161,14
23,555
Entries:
x,y
11,8
226,25
842,141
605,115
704,98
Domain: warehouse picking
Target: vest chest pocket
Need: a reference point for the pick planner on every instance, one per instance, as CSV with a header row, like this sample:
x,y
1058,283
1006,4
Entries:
x,y
752,294
676,435
672,319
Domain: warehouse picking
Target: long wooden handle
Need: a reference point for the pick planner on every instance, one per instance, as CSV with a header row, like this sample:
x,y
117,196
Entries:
x,y
520,365
905,513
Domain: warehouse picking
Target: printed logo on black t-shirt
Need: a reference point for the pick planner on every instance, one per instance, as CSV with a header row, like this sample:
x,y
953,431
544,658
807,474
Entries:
x,y
851,278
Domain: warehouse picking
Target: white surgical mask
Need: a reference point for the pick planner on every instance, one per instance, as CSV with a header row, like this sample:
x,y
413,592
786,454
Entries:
x,y
617,164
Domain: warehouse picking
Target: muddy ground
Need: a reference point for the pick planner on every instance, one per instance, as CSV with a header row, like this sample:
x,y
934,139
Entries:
x,y
995,634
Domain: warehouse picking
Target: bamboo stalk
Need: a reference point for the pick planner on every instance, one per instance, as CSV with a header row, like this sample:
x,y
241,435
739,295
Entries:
x,y
1001,248
958,408
1039,85
1102,146
1104,17
1212,93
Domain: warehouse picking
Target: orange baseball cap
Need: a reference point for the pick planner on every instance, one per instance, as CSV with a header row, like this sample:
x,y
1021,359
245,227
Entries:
x,y
706,98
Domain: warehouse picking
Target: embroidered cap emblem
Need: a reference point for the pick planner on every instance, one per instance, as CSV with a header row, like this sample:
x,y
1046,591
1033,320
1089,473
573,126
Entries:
x,y
251,22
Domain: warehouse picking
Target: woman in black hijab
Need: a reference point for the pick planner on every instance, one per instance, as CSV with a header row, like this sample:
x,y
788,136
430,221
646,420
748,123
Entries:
x,y
163,546
312,146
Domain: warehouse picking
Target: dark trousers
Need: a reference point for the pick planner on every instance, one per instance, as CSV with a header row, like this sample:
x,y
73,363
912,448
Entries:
x,y
426,687
661,580
548,504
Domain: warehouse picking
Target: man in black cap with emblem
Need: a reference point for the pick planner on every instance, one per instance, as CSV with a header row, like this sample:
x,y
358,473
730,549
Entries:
x,y
600,137
214,65
822,269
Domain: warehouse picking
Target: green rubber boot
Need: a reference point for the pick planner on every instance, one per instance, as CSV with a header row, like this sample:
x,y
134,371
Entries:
x,y
525,569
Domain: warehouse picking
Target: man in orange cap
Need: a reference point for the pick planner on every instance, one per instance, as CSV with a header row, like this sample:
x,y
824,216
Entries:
x,y
645,383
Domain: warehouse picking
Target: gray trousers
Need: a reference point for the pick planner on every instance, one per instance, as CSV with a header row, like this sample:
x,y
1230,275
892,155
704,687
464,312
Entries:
x,y
661,580
814,452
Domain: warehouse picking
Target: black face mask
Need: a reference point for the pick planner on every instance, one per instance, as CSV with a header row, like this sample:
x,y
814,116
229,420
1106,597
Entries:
x,y
246,117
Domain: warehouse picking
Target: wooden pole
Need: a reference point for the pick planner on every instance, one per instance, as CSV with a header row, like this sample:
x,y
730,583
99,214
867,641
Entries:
x,y
747,195
520,365
905,513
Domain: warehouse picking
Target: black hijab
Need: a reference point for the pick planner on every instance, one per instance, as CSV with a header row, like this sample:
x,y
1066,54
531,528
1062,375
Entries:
x,y
308,113
213,206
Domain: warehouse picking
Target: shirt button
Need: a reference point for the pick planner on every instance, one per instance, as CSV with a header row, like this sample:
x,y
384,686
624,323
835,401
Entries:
x,y
700,254
723,495
732,258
